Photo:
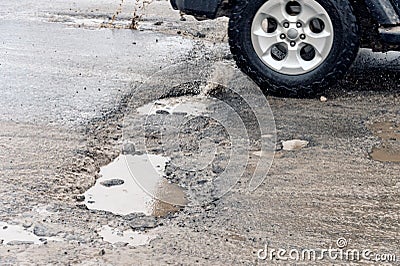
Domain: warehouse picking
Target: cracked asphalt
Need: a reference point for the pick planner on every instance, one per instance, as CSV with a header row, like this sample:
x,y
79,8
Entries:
x,y
70,85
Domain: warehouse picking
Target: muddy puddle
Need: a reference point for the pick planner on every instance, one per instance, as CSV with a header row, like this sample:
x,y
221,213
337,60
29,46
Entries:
x,y
389,150
188,105
135,184
129,237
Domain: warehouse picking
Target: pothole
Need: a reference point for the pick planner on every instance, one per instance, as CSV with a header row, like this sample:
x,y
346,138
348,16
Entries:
x,y
135,184
187,105
18,235
128,237
389,151
89,21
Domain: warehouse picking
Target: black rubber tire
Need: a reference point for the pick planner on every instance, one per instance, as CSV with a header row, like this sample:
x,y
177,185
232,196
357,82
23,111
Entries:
x,y
344,50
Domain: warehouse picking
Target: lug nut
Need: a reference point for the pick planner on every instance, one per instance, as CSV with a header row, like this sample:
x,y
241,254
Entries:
x,y
302,36
283,36
293,44
299,25
286,25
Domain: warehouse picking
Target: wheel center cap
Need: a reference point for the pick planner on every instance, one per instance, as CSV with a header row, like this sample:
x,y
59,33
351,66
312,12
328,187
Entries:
x,y
292,34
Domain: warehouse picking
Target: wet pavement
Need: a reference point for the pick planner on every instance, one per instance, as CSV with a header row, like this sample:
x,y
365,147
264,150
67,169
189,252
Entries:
x,y
60,74
88,119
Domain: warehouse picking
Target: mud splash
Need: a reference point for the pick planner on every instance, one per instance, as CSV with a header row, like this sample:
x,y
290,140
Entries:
x,y
137,186
389,151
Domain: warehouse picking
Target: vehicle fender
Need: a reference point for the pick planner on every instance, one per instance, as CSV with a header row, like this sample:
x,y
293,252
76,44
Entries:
x,y
198,8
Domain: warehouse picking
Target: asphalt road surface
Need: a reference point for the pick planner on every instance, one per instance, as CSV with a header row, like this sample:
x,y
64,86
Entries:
x,y
71,82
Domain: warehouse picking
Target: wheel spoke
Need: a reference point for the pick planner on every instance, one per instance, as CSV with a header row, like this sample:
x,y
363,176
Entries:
x,y
292,59
266,40
278,65
278,12
307,65
308,13
318,41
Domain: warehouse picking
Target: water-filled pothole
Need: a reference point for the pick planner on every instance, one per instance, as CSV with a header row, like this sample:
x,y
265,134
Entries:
x,y
135,184
389,151
385,154
15,234
188,105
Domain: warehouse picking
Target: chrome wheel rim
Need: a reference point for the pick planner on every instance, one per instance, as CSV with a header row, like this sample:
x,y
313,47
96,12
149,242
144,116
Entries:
x,y
292,37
